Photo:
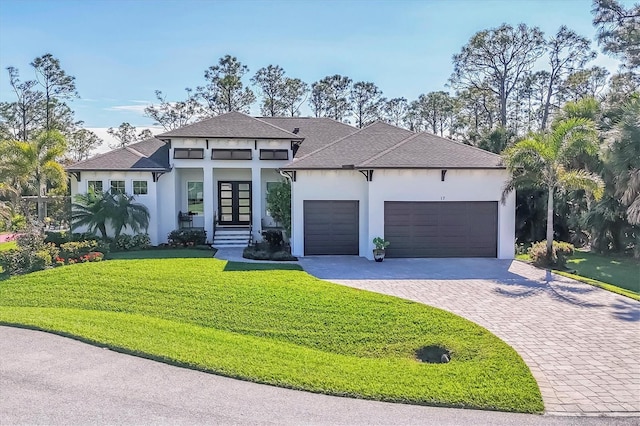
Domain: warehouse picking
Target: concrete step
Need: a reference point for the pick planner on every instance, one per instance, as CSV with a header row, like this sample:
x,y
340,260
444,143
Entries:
x,y
229,245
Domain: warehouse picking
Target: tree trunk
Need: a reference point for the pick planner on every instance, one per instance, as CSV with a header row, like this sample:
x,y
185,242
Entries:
x,y
40,202
550,222
545,113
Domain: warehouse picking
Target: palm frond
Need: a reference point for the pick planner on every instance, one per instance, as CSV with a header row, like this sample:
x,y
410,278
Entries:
x,y
581,179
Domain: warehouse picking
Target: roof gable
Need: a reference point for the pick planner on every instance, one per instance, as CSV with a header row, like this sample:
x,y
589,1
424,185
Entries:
x,y
231,125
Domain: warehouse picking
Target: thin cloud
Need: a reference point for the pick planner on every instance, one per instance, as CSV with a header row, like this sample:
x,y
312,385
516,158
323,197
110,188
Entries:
x,y
138,109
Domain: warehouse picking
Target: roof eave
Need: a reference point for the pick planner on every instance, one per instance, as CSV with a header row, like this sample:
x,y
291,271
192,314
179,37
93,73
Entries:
x,y
397,167
139,169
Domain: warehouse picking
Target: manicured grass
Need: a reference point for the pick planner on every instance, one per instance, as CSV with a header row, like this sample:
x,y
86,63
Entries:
x,y
161,254
8,245
596,283
608,272
277,326
622,272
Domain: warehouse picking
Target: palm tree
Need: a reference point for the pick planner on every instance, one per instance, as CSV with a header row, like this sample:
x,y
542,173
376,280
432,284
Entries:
x,y
623,158
97,210
92,210
125,212
542,162
33,163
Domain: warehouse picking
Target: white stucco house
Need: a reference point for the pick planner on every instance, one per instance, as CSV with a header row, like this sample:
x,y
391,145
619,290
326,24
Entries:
x,y
427,195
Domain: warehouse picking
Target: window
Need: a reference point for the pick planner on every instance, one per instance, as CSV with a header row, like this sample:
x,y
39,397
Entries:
x,y
140,187
189,153
195,200
117,186
231,154
94,185
274,154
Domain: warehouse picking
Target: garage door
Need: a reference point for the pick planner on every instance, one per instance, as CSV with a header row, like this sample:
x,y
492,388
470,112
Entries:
x,y
441,229
330,227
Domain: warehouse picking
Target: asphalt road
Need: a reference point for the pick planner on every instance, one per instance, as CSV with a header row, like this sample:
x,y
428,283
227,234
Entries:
x,y
48,379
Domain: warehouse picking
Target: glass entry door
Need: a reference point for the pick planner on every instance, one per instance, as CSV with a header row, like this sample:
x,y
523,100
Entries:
x,y
234,203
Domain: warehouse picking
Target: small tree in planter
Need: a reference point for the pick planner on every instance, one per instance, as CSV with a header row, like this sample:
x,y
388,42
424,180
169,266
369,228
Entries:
x,y
379,252
279,204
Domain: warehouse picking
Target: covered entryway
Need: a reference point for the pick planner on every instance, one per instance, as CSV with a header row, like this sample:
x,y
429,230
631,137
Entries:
x,y
331,227
441,229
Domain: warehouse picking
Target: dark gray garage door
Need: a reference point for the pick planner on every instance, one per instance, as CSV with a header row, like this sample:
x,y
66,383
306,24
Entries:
x,y
330,227
441,229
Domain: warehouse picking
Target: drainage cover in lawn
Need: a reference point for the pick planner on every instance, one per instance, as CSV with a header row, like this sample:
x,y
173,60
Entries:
x,y
433,355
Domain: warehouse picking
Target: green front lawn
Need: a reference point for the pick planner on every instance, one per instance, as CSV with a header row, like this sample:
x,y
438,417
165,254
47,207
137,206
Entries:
x,y
273,324
622,272
609,272
178,253
8,245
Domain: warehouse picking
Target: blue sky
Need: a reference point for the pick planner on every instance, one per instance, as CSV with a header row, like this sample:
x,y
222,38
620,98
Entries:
x,y
121,51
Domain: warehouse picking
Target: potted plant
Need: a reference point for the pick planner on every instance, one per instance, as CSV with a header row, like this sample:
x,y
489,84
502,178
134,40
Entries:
x,y
378,252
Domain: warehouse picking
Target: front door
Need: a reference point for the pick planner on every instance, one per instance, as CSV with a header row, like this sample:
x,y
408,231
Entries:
x,y
234,203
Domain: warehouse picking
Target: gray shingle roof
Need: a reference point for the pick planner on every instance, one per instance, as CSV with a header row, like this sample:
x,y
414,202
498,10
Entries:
x,y
425,150
148,155
382,145
231,125
352,149
317,132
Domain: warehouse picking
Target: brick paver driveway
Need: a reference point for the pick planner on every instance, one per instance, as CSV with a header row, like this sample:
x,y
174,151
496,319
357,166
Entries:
x,y
581,343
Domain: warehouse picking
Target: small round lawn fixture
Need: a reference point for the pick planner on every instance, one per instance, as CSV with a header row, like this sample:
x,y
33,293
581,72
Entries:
x,y
433,354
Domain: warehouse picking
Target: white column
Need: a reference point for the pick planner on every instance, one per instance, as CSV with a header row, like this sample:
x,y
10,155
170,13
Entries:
x,y
207,199
256,202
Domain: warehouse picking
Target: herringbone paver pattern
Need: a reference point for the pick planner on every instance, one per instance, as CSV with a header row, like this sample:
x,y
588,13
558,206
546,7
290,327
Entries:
x,y
581,343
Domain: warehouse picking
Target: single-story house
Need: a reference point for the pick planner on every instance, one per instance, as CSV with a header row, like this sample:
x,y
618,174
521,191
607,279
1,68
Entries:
x,y
427,195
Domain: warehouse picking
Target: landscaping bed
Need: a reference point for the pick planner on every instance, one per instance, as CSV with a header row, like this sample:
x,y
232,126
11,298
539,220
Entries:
x,y
273,324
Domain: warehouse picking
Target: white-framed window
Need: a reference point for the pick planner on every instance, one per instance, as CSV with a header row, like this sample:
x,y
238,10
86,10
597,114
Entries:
x,y
94,185
195,198
140,187
117,186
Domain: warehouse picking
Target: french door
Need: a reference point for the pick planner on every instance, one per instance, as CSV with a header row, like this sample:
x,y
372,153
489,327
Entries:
x,y
234,203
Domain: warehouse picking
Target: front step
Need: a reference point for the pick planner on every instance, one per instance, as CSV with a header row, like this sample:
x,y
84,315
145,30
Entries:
x,y
231,237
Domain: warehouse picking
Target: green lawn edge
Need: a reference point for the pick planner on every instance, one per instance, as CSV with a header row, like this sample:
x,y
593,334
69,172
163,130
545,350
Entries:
x,y
586,280
498,380
605,286
321,372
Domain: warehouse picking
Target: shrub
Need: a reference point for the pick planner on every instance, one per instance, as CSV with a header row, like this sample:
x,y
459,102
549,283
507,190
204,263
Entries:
x,y
559,254
282,255
141,241
58,238
76,249
31,254
274,238
187,237
261,251
123,242
255,254
18,222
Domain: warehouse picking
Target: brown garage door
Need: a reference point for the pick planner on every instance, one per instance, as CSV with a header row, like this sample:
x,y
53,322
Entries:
x,y
330,227
441,229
